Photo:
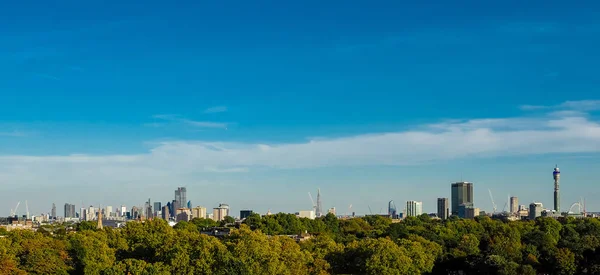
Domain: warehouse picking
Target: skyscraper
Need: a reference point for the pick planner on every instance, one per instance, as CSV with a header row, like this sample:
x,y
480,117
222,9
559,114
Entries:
x,y
514,205
148,210
462,192
414,208
442,208
392,212
319,210
53,212
535,210
180,198
157,208
556,176
166,213
69,210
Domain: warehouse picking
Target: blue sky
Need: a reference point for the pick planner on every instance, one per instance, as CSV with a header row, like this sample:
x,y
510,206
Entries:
x,y
257,103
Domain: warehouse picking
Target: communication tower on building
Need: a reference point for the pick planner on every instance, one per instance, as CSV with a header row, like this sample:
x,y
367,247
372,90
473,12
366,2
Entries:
x,y
556,176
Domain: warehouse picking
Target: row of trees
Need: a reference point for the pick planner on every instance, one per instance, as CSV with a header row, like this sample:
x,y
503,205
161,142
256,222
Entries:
x,y
369,245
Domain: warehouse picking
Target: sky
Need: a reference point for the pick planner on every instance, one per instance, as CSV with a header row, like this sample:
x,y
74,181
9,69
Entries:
x,y
257,103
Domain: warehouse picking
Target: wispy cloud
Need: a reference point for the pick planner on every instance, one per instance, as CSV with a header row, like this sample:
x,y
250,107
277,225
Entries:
x,y
578,105
216,109
194,123
47,76
15,134
178,161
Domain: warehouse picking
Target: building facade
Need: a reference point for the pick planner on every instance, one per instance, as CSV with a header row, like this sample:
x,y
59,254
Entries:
x,y
462,192
535,210
514,205
69,210
309,214
414,208
219,213
199,212
166,213
245,214
443,210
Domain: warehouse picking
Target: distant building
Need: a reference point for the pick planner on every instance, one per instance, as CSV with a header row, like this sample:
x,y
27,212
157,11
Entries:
x,y
166,213
157,208
199,212
189,204
414,208
83,214
331,210
69,210
465,210
108,212
535,210
53,212
245,214
514,205
123,211
462,192
135,213
180,198
443,210
183,214
309,214
219,213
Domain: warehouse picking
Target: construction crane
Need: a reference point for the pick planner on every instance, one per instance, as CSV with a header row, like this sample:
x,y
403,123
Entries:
x,y
313,203
27,209
370,211
349,210
493,203
14,212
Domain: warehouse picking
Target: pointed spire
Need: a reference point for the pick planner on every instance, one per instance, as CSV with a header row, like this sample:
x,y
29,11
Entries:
x,y
99,226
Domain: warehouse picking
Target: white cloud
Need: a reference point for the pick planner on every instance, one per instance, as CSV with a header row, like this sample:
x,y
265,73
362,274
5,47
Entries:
x,y
181,161
216,109
579,105
178,119
205,124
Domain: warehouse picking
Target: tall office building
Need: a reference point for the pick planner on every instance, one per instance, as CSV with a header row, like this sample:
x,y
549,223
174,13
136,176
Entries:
x,y
83,216
166,213
53,213
123,211
535,210
148,210
180,198
69,210
514,205
443,210
108,212
157,208
91,213
462,192
414,208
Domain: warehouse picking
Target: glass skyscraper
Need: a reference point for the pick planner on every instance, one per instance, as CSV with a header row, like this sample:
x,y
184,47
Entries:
x,y
462,193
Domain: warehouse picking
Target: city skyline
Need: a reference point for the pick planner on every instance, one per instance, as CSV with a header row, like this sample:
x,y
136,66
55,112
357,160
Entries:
x,y
109,106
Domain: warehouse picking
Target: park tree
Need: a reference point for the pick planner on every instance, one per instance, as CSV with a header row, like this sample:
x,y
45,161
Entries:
x,y
91,252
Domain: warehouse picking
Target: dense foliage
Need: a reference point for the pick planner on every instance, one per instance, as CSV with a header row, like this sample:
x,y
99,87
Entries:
x,y
369,245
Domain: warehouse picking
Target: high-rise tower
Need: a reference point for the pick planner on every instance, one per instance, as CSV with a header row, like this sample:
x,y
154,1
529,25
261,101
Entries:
x,y
319,210
462,192
556,175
